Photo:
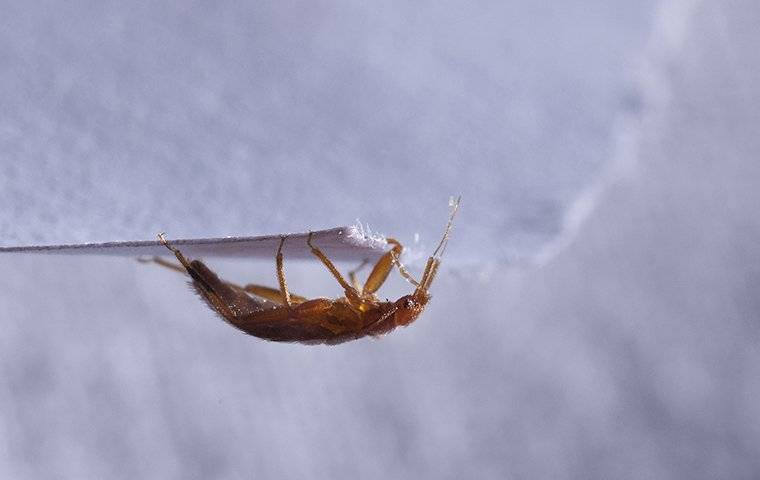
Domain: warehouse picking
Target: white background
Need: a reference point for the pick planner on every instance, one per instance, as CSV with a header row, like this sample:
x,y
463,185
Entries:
x,y
597,312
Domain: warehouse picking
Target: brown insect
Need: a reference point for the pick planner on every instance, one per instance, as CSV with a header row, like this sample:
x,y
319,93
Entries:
x,y
281,316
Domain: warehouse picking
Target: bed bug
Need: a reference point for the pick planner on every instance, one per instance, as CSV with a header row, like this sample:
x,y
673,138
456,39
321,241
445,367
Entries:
x,y
278,315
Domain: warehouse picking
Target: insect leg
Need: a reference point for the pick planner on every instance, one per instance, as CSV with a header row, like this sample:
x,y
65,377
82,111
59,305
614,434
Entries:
x,y
184,261
352,274
227,300
384,266
273,294
284,293
351,293
267,293
163,263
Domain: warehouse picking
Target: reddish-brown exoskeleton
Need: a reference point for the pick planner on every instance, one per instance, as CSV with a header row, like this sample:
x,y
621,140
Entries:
x,y
281,316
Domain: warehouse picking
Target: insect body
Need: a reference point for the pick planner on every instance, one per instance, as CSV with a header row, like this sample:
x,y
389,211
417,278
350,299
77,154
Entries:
x,y
278,315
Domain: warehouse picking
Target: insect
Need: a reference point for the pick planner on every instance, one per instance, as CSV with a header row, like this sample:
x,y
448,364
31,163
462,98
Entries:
x,y
278,315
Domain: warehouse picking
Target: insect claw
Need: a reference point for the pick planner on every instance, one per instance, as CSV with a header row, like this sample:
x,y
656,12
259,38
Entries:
x,y
165,243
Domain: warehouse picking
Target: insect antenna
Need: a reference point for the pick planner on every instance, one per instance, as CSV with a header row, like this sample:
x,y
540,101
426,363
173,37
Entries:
x,y
431,268
454,204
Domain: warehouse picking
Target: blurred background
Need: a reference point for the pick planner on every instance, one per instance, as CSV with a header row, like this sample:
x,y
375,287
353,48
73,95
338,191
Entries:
x,y
597,313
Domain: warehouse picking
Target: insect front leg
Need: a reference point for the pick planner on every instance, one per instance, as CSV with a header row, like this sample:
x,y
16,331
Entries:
x,y
384,266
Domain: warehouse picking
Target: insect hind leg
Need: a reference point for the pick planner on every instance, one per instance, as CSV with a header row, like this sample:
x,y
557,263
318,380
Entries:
x,y
261,291
163,263
227,300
